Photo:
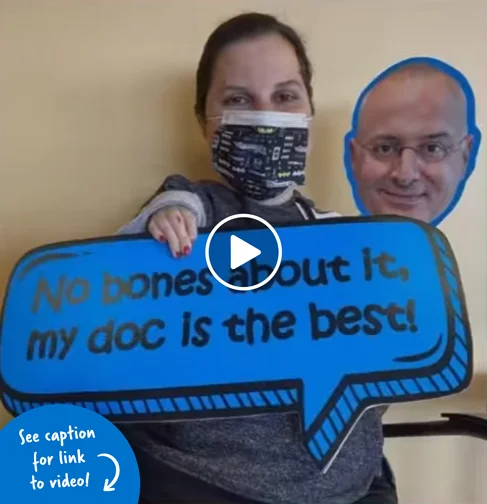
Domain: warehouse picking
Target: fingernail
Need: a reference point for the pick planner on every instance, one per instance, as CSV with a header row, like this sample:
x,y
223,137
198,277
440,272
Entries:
x,y
186,250
162,238
179,254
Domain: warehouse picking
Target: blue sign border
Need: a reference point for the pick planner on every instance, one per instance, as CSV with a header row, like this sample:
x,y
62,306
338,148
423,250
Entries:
x,y
359,392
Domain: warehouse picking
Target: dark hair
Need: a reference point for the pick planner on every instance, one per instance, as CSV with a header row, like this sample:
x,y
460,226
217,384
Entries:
x,y
235,29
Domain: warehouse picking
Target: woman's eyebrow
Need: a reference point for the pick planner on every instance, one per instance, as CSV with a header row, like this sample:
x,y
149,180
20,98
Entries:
x,y
279,85
290,82
232,87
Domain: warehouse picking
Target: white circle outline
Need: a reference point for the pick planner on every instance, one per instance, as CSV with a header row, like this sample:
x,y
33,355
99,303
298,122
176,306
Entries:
x,y
243,216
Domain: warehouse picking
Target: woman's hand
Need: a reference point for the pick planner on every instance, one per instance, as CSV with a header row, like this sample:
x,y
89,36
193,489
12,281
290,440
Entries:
x,y
177,227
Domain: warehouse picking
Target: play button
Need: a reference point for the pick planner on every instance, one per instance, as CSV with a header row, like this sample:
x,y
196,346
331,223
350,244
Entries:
x,y
243,252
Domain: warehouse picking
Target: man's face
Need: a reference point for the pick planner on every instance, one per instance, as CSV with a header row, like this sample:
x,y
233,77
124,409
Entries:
x,y
411,148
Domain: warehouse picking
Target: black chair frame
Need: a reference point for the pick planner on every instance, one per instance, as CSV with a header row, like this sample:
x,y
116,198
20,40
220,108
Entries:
x,y
451,424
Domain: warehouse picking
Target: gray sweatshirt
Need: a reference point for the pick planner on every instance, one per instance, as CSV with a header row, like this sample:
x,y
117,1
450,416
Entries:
x,y
261,457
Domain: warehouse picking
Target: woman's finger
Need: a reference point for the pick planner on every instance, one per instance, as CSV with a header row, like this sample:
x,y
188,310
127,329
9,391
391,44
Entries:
x,y
178,223
190,221
170,234
156,231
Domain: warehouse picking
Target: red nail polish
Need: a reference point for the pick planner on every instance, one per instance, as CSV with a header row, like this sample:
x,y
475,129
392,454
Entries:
x,y
186,250
179,254
162,239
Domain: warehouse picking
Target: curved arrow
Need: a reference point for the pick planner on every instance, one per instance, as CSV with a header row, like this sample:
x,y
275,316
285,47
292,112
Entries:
x,y
108,486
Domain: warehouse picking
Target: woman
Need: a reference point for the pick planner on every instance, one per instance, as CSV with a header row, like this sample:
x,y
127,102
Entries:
x,y
253,73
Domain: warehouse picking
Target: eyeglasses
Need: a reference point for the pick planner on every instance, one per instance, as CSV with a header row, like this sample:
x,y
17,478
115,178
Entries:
x,y
431,151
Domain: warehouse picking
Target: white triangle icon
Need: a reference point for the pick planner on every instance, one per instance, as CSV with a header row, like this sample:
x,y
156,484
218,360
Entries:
x,y
241,252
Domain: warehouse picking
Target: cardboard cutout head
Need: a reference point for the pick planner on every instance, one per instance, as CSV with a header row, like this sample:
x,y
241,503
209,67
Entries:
x,y
413,142
352,319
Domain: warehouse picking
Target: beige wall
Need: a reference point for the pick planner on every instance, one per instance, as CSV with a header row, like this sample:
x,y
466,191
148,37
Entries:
x,y
96,107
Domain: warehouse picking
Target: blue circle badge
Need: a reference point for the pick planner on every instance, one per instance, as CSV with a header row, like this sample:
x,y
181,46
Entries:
x,y
62,453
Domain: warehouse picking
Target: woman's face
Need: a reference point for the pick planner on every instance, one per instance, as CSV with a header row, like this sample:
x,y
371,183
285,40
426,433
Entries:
x,y
257,74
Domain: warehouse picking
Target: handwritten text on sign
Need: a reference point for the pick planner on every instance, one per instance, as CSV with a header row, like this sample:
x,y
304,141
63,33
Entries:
x,y
61,456
362,312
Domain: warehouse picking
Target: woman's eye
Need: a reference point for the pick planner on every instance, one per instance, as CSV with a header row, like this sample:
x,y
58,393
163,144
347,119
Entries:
x,y
235,101
285,97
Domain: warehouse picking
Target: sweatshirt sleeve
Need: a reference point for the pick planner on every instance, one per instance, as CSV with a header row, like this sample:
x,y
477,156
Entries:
x,y
176,190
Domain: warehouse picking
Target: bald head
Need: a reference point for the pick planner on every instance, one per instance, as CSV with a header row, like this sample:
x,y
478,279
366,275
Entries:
x,y
411,147
408,91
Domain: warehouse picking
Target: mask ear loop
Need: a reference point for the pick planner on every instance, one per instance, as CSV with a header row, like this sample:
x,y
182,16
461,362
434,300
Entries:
x,y
214,118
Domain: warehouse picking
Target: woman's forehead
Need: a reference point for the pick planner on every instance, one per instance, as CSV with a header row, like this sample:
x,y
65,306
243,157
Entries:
x,y
260,60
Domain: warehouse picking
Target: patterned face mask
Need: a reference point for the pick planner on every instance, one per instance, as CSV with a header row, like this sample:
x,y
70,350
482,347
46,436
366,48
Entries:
x,y
261,154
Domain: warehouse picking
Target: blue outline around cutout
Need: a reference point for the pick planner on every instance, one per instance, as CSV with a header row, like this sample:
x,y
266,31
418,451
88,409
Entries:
x,y
472,128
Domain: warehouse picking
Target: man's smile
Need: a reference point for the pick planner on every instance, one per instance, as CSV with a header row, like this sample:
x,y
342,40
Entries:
x,y
402,198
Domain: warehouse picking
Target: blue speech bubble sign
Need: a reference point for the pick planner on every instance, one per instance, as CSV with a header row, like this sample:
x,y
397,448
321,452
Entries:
x,y
363,311
63,453
472,129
